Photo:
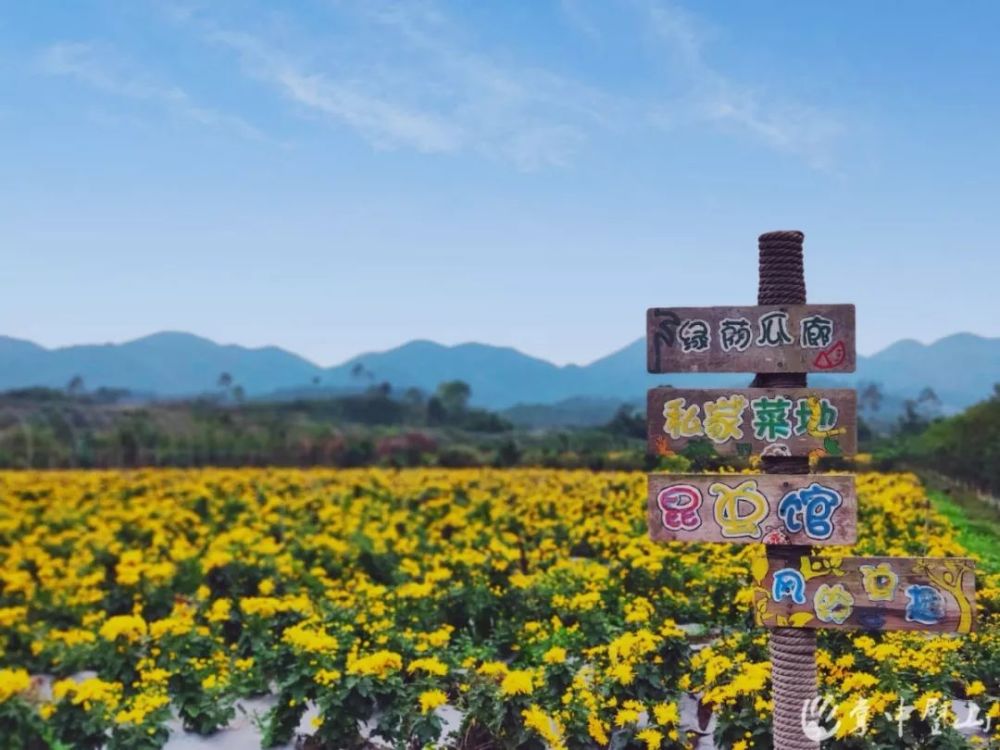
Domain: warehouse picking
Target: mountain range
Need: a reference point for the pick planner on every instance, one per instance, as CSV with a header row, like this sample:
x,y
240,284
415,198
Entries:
x,y
961,369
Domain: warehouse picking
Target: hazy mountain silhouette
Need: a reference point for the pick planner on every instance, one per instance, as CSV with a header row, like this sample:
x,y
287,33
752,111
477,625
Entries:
x,y
961,369
165,364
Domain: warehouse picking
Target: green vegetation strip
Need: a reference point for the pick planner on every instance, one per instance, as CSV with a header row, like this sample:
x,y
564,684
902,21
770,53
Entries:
x,y
977,523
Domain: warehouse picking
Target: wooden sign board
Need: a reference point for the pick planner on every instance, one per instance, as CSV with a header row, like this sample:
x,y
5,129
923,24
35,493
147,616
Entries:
x,y
763,338
752,421
746,508
865,593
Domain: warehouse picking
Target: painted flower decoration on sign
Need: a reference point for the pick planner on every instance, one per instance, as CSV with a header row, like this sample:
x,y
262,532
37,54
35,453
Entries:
x,y
833,603
880,582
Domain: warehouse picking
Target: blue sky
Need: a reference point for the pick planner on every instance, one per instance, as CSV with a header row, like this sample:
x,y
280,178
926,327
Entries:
x,y
337,177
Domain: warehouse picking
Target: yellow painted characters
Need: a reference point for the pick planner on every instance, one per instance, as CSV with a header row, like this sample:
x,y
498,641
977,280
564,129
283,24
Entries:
x,y
724,418
879,581
833,603
681,420
739,510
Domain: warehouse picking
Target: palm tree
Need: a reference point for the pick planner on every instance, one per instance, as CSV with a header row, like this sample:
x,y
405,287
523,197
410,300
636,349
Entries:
x,y
928,396
75,385
359,372
871,396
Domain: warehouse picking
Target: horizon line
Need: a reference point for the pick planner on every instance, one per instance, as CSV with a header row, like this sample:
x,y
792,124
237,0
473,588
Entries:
x,y
215,342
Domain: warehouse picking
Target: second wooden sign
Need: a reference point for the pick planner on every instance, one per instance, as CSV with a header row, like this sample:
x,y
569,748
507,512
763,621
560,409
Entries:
x,y
752,421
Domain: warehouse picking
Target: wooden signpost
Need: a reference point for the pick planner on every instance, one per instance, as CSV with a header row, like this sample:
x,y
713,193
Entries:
x,y
788,509
752,421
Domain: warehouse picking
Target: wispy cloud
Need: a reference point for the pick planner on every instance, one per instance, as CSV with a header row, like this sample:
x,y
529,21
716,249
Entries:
x,y
98,67
714,96
408,75
420,84
385,122
578,17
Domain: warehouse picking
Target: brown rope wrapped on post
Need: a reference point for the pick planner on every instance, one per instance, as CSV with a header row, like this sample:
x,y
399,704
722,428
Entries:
x,y
793,650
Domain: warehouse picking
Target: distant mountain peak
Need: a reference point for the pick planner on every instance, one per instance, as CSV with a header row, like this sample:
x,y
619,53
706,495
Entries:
x,y
961,368
170,335
170,338
965,337
10,343
973,339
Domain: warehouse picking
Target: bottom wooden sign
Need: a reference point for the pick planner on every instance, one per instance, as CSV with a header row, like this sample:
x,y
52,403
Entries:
x,y
864,593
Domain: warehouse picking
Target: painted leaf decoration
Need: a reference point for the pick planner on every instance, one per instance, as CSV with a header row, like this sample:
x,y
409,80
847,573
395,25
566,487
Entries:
x,y
758,568
760,606
800,619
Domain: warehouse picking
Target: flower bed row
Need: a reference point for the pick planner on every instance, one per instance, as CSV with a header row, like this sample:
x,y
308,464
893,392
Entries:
x,y
530,600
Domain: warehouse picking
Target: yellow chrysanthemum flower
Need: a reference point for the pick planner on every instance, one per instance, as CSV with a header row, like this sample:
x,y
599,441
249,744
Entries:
x,y
431,699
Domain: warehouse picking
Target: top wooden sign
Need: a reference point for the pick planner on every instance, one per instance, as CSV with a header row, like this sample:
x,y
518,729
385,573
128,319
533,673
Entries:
x,y
762,338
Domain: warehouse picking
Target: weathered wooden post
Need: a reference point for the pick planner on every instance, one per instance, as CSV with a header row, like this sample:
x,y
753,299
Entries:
x,y
790,510
781,281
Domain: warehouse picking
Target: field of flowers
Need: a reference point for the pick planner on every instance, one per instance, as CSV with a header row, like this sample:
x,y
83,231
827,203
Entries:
x,y
531,601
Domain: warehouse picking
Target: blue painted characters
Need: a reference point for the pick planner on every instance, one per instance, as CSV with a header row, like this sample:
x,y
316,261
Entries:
x,y
872,619
879,581
788,582
810,509
925,605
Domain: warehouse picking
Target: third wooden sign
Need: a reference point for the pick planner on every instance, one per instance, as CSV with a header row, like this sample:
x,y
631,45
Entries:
x,y
746,508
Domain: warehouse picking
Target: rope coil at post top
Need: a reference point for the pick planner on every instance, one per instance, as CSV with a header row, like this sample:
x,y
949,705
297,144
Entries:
x,y
781,276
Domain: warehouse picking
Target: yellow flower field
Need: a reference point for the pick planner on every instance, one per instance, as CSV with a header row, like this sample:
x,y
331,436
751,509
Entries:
x,y
529,600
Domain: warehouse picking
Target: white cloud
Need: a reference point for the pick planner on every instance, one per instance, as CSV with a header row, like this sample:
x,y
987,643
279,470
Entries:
x,y
97,67
384,122
578,17
406,75
416,82
716,97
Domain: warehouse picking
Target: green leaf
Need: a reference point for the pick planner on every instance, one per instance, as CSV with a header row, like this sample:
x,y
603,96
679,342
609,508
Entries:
x,y
699,448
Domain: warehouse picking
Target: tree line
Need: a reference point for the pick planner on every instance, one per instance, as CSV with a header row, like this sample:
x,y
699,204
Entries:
x,y
378,425
965,446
